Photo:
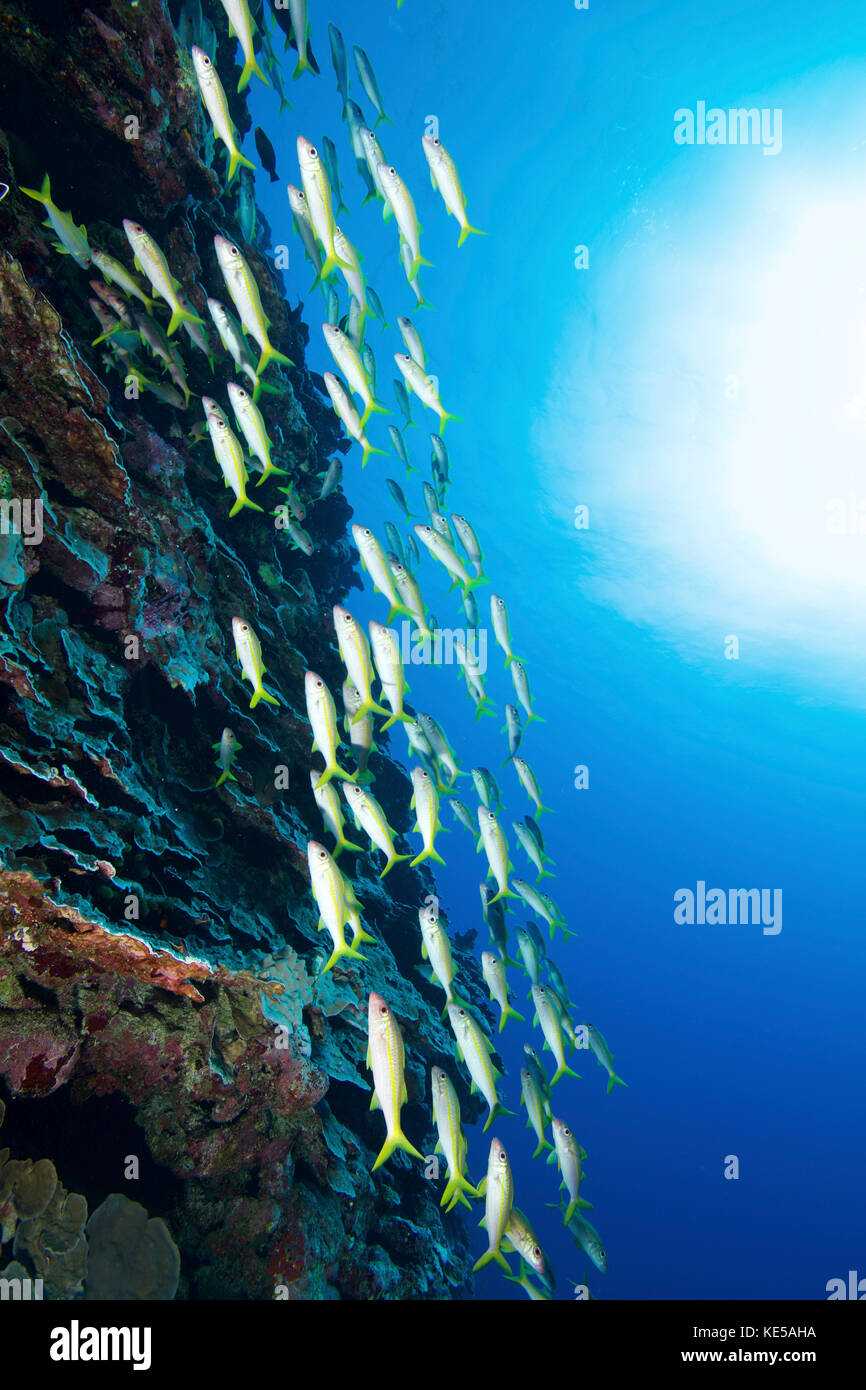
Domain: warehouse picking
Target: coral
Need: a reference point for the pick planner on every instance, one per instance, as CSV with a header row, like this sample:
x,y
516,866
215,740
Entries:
x,y
45,1222
129,1256
158,941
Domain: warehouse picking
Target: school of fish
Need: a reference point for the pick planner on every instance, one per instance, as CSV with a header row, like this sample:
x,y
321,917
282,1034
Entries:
x,y
127,303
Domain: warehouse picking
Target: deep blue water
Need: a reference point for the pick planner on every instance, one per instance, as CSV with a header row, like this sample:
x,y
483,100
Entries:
x,y
691,388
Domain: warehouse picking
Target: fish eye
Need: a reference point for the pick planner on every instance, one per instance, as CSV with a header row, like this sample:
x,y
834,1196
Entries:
x,y
392,170
314,153
536,1252
383,1010
320,685
566,1131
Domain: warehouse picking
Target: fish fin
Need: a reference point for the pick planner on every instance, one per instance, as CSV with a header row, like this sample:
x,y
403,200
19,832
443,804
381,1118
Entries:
x,y
503,893
430,853
542,1145
375,1104
334,771
42,195
263,695
395,1141
455,1189
395,609
304,65
331,262
406,719
223,778
578,1203
498,1109
242,502
416,266
394,859
368,450
615,1081
561,1071
338,953
343,843
180,316
368,707
507,1013
492,1255
271,472
551,1158
465,231
270,354
251,66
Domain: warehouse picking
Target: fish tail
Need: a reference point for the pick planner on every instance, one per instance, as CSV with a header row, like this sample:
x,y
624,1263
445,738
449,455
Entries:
x,y
615,1081
368,707
368,450
446,415
563,1070
394,859
474,583
263,695
236,158
331,262
489,1255
405,719
270,471
180,316
334,771
539,810
430,853
576,1204
343,843
498,1109
251,66
416,266
242,502
393,1142
508,1013
465,231
539,719
508,661
338,953
42,195
224,778
361,935
270,354
304,65
398,608
542,1145
503,893
457,1186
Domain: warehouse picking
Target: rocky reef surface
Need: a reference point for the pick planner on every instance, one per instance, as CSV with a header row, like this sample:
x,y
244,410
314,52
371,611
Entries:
x,y
164,1029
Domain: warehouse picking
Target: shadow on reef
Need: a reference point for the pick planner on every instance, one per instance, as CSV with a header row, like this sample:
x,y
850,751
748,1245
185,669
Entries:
x,y
158,941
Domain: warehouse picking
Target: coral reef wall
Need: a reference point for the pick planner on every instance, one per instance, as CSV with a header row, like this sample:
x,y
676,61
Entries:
x,y
158,942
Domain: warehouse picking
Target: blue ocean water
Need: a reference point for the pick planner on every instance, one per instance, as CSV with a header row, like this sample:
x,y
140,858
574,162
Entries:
x,y
698,646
